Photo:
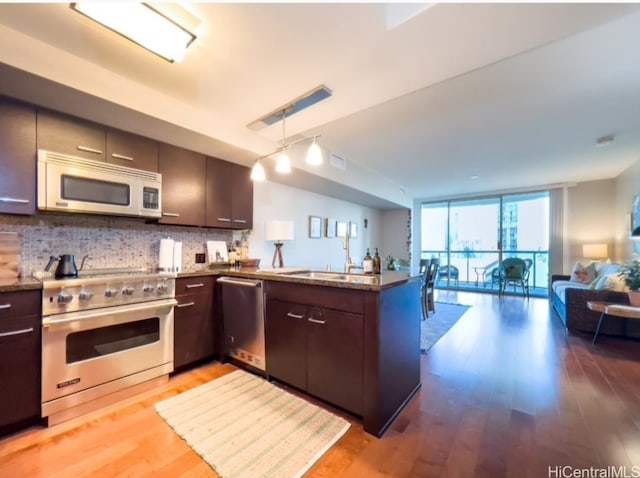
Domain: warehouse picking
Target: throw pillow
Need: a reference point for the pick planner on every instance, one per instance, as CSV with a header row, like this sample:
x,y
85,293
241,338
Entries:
x,y
611,282
583,274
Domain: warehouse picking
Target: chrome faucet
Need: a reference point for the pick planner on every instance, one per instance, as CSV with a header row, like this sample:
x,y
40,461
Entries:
x,y
348,265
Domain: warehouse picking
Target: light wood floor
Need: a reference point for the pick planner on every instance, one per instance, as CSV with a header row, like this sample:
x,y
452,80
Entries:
x,y
505,393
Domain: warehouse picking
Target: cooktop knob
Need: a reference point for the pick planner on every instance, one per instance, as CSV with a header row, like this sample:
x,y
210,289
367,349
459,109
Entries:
x,y
110,292
85,295
148,288
161,288
64,297
127,290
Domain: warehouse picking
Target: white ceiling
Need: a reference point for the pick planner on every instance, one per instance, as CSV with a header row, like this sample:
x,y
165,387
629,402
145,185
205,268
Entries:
x,y
425,95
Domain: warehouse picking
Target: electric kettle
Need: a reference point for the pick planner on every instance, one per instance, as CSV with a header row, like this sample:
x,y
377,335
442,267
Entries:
x,y
66,266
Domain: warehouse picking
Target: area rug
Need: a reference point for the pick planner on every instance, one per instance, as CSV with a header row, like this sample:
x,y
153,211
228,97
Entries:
x,y
244,426
439,323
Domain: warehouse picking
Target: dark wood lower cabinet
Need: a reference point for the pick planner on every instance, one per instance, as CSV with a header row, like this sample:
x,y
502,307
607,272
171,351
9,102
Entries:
x,y
335,357
20,344
286,342
317,350
194,330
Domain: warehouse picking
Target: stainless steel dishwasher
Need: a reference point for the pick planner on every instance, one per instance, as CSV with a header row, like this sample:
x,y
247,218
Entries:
x,y
243,318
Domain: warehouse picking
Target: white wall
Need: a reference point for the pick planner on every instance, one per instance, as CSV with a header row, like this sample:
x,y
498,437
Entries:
x,y
276,201
396,233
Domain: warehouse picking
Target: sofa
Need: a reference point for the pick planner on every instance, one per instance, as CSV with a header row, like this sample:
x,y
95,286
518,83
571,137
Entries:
x,y
569,295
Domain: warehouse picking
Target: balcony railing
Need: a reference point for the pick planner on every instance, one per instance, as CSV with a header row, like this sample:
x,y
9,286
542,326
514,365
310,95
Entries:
x,y
475,268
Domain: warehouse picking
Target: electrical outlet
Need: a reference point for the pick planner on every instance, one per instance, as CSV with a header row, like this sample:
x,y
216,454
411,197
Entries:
x,y
200,258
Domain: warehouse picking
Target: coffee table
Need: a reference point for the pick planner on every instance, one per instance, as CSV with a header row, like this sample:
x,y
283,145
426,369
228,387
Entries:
x,y
615,310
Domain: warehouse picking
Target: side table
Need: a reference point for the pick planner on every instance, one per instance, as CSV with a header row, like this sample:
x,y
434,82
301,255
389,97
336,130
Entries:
x,y
615,310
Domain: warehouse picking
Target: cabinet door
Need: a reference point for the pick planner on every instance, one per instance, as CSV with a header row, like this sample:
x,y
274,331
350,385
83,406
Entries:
x,y
335,358
66,134
183,185
193,335
17,157
219,192
19,368
131,150
286,342
242,196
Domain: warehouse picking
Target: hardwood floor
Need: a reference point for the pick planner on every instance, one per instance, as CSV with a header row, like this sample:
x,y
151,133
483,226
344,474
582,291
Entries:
x,y
505,393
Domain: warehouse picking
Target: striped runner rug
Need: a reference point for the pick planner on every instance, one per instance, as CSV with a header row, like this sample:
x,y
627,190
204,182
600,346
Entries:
x,y
246,427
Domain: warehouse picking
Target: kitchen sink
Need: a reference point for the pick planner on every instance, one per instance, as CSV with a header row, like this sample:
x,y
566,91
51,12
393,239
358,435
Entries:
x,y
337,276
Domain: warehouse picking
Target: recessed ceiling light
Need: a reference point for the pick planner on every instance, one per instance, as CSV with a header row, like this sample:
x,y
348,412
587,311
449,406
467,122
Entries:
x,y
605,140
475,176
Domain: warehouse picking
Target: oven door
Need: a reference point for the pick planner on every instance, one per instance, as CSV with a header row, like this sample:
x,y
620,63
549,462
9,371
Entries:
x,y
88,349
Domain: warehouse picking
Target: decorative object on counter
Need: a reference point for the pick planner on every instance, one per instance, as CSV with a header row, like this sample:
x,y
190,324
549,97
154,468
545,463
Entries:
x,y
10,254
439,323
391,263
376,262
170,255
278,230
630,275
330,227
367,263
217,252
230,432
315,227
255,263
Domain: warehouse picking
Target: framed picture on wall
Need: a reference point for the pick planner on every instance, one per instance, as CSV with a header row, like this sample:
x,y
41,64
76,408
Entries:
x,y
635,224
353,229
315,227
341,228
330,227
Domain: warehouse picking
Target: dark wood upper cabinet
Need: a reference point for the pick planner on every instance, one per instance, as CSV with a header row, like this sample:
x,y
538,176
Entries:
x,y
229,196
183,185
131,150
62,133
17,157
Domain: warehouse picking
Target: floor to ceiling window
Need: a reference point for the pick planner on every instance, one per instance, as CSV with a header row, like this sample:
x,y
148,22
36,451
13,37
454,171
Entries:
x,y
472,236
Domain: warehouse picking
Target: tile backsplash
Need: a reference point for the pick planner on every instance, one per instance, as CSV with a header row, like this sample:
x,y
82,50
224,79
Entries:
x,y
110,242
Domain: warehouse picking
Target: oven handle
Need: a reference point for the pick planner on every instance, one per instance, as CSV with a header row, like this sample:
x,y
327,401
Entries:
x,y
92,314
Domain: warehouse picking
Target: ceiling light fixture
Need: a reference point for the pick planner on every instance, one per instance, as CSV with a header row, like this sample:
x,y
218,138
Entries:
x,y
605,140
283,163
142,24
314,154
257,172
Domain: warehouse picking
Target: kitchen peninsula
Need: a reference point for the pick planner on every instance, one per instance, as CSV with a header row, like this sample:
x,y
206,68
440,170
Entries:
x,y
348,339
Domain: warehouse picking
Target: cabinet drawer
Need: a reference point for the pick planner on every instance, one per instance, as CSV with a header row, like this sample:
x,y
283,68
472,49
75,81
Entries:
x,y
194,285
191,305
21,303
347,300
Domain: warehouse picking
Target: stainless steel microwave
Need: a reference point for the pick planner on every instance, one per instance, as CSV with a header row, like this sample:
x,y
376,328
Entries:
x,y
72,184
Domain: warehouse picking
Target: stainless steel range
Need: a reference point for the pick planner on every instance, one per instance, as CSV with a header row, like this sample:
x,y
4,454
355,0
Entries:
x,y
105,335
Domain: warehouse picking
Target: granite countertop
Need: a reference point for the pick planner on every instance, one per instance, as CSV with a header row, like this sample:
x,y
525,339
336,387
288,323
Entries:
x,y
383,281
19,283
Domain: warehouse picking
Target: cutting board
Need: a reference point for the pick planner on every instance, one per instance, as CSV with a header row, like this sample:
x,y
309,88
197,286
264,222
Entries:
x,y
9,255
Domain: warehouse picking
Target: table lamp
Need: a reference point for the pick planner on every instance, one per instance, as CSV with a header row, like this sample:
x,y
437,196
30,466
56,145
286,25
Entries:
x,y
595,251
278,231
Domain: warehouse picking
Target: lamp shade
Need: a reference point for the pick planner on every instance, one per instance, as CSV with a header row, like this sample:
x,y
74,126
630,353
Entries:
x,y
279,230
595,251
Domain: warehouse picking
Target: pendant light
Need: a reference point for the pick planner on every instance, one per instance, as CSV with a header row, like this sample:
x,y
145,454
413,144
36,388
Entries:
x,y
257,172
283,163
314,154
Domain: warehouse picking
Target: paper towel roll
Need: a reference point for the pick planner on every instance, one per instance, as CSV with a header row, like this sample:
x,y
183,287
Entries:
x,y
177,257
165,261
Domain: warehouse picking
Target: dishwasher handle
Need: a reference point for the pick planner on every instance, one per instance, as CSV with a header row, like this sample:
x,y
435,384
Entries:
x,y
241,282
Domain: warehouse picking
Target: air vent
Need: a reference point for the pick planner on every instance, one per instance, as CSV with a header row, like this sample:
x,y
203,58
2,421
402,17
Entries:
x,y
308,99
